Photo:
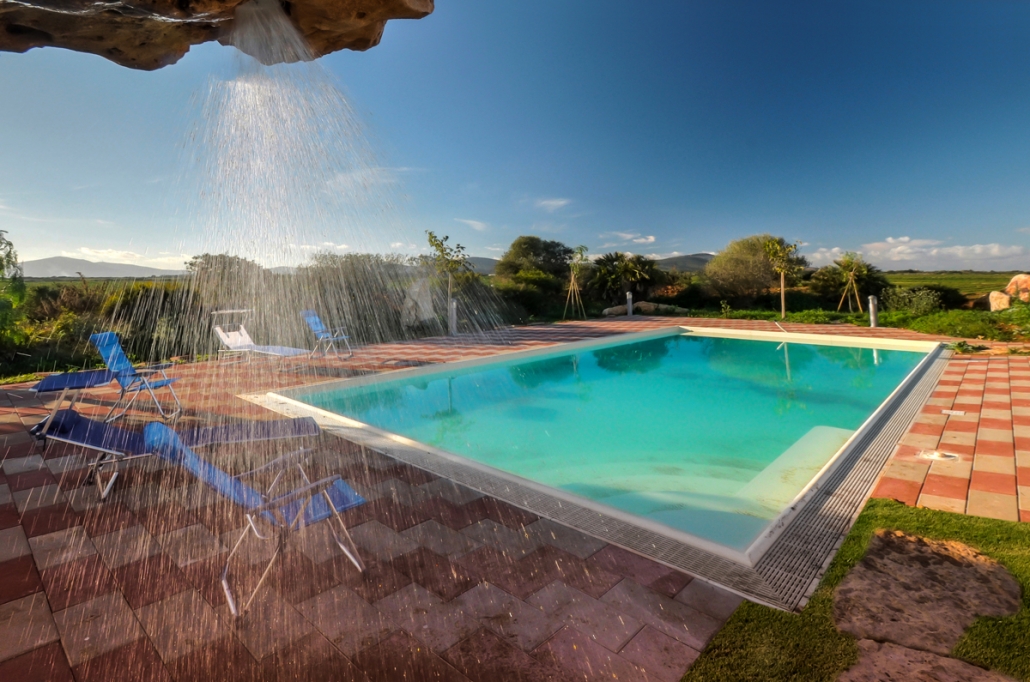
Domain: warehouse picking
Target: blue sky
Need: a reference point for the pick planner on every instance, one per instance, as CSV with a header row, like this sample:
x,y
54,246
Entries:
x,y
899,129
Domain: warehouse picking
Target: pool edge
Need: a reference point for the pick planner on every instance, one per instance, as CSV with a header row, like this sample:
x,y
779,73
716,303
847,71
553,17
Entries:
x,y
785,574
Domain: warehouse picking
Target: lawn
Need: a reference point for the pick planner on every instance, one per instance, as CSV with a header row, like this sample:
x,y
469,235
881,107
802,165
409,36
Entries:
x,y
760,643
972,284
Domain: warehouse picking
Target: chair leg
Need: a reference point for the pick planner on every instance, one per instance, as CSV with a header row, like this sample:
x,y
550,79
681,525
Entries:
x,y
233,608
350,351
346,544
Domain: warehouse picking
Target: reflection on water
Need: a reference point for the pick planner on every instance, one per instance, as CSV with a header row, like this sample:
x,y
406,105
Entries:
x,y
639,358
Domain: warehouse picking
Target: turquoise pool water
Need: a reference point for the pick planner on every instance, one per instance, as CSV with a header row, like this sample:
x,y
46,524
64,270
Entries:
x,y
712,436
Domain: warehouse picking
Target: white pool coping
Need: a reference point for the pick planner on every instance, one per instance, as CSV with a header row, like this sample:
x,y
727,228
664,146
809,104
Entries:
x,y
533,496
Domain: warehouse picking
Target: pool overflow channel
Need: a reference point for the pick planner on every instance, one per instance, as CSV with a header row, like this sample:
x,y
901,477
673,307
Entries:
x,y
780,568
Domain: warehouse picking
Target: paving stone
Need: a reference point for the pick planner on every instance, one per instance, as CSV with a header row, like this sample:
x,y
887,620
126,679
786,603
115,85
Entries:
x,y
60,465
60,547
25,624
686,624
380,541
707,598
137,661
581,658
37,498
422,613
22,465
659,655
513,543
401,658
601,622
992,505
13,543
6,496
485,657
126,546
435,573
452,492
18,578
314,658
564,538
190,544
345,618
223,660
77,581
252,551
96,626
83,498
440,539
629,565
45,664
316,543
164,621
150,580
397,491
522,624
269,625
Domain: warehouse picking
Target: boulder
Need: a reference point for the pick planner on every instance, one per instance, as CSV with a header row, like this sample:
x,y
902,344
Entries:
x,y
883,661
1019,285
615,311
921,594
149,34
999,300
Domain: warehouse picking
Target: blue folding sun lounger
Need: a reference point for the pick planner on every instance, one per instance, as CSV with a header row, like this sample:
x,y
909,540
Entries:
x,y
133,380
114,445
274,513
325,338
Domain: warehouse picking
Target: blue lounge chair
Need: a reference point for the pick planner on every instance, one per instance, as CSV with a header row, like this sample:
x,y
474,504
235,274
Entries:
x,y
114,445
133,380
325,338
276,512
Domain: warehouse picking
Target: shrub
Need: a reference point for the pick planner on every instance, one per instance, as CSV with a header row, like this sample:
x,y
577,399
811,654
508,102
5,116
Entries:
x,y
742,269
528,253
970,324
918,301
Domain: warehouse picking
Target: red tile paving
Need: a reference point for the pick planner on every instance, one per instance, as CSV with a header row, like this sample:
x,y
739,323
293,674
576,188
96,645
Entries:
x,y
453,617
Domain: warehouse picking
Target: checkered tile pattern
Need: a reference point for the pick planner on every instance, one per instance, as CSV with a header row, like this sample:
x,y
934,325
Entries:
x,y
459,586
969,449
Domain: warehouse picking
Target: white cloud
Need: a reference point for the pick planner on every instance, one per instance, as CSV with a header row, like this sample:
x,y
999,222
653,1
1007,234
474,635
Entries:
x,y
634,237
362,180
477,225
1024,230
324,246
930,254
165,259
552,205
660,256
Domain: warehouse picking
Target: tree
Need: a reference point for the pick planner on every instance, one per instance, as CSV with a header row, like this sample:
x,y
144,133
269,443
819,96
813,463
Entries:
x,y
529,253
786,263
616,274
743,268
850,277
12,284
454,262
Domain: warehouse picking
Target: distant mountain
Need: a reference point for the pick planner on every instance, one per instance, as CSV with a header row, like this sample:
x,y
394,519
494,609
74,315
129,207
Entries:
x,y
60,266
693,262
484,266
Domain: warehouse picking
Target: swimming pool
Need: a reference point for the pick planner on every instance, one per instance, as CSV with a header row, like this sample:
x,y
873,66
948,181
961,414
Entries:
x,y
709,438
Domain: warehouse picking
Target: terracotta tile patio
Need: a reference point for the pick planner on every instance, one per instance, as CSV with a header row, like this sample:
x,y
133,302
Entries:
x,y
458,587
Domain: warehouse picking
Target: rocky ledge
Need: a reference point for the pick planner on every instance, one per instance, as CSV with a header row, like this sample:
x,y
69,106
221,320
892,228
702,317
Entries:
x,y
149,34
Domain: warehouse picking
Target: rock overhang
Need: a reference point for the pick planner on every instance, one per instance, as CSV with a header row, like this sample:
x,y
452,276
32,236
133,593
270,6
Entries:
x,y
150,34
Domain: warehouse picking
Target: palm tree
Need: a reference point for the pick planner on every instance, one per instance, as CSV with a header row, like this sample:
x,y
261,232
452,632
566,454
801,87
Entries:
x,y
615,274
786,263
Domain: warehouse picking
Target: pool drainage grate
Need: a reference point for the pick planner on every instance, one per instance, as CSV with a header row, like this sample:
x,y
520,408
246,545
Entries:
x,y
784,577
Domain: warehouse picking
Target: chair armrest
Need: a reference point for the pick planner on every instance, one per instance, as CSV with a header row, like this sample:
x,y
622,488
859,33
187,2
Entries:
x,y
309,490
279,463
340,330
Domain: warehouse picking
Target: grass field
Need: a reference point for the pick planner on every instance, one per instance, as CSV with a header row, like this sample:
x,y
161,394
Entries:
x,y
972,284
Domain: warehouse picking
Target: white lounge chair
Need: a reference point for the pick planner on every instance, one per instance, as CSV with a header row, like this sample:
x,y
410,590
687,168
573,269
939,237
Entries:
x,y
239,343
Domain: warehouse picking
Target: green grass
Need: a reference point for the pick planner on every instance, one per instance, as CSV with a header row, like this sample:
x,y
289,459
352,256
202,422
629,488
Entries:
x,y
972,284
762,643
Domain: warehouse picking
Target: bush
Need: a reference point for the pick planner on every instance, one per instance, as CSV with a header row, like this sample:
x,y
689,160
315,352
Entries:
x,y
742,270
970,324
918,301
